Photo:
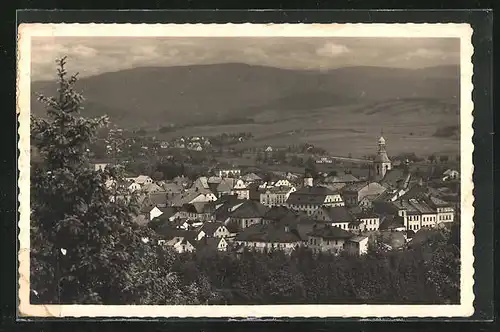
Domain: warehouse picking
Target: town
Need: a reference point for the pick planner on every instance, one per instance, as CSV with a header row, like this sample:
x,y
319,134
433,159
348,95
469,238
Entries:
x,y
287,198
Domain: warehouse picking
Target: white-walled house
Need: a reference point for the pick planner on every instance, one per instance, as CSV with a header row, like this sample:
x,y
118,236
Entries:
x,y
357,245
229,172
310,199
180,244
328,239
215,229
276,196
212,243
155,212
337,216
283,183
100,166
268,237
134,186
354,193
450,174
143,179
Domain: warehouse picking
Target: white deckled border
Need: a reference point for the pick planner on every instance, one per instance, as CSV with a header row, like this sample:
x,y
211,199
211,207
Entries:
x,y
442,30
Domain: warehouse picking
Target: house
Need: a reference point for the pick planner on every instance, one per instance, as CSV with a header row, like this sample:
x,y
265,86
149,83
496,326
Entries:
x,y
370,220
247,214
212,244
337,186
182,181
225,206
240,190
151,188
167,214
341,178
254,192
201,184
444,210
180,240
367,201
324,160
309,199
396,178
357,245
392,223
419,211
223,187
133,186
283,183
354,193
100,166
337,216
192,196
200,211
328,239
171,189
276,195
229,172
195,146
276,213
250,178
143,179
154,212
268,237
450,174
179,244
215,229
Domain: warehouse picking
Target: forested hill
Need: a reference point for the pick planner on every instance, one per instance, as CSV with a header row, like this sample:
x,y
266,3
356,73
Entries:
x,y
199,94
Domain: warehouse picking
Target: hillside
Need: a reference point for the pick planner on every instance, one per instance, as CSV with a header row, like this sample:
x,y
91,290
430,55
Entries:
x,y
181,95
289,104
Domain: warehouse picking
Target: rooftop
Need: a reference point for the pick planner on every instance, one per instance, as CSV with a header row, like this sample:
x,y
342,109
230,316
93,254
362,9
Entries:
x,y
210,227
330,232
337,214
358,238
267,233
249,209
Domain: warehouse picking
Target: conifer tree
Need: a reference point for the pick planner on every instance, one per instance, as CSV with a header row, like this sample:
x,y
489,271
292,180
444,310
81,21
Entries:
x,y
85,246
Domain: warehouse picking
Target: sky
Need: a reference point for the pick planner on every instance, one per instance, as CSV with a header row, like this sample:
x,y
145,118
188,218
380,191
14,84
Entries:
x,y
95,55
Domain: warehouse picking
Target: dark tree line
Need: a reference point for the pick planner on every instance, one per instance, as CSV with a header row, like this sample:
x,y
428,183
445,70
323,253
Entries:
x,y
426,274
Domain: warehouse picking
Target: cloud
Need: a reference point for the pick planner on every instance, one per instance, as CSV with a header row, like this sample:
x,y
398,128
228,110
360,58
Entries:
x,y
83,51
332,50
427,54
95,55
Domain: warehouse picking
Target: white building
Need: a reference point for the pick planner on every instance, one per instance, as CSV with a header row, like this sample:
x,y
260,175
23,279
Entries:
x,y
357,245
229,172
310,199
274,196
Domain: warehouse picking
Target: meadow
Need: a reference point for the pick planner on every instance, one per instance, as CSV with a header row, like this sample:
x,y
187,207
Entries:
x,y
407,125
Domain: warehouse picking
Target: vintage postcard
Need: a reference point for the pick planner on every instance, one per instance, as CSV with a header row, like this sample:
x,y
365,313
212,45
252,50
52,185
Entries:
x,y
245,170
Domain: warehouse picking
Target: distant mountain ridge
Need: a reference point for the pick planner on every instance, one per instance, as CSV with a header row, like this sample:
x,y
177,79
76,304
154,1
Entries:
x,y
202,94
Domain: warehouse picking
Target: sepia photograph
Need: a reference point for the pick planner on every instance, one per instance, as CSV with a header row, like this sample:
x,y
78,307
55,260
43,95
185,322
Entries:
x,y
248,170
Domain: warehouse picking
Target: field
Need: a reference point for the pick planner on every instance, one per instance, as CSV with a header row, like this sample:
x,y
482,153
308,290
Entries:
x,y
409,126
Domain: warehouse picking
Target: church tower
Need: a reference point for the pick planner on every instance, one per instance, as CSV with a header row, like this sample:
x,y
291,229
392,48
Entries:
x,y
308,179
382,163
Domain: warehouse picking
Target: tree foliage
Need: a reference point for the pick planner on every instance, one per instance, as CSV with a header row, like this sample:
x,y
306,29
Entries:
x,y
85,246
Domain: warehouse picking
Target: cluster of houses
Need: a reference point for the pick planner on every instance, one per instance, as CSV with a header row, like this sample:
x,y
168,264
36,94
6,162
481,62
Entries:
x,y
233,210
195,143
